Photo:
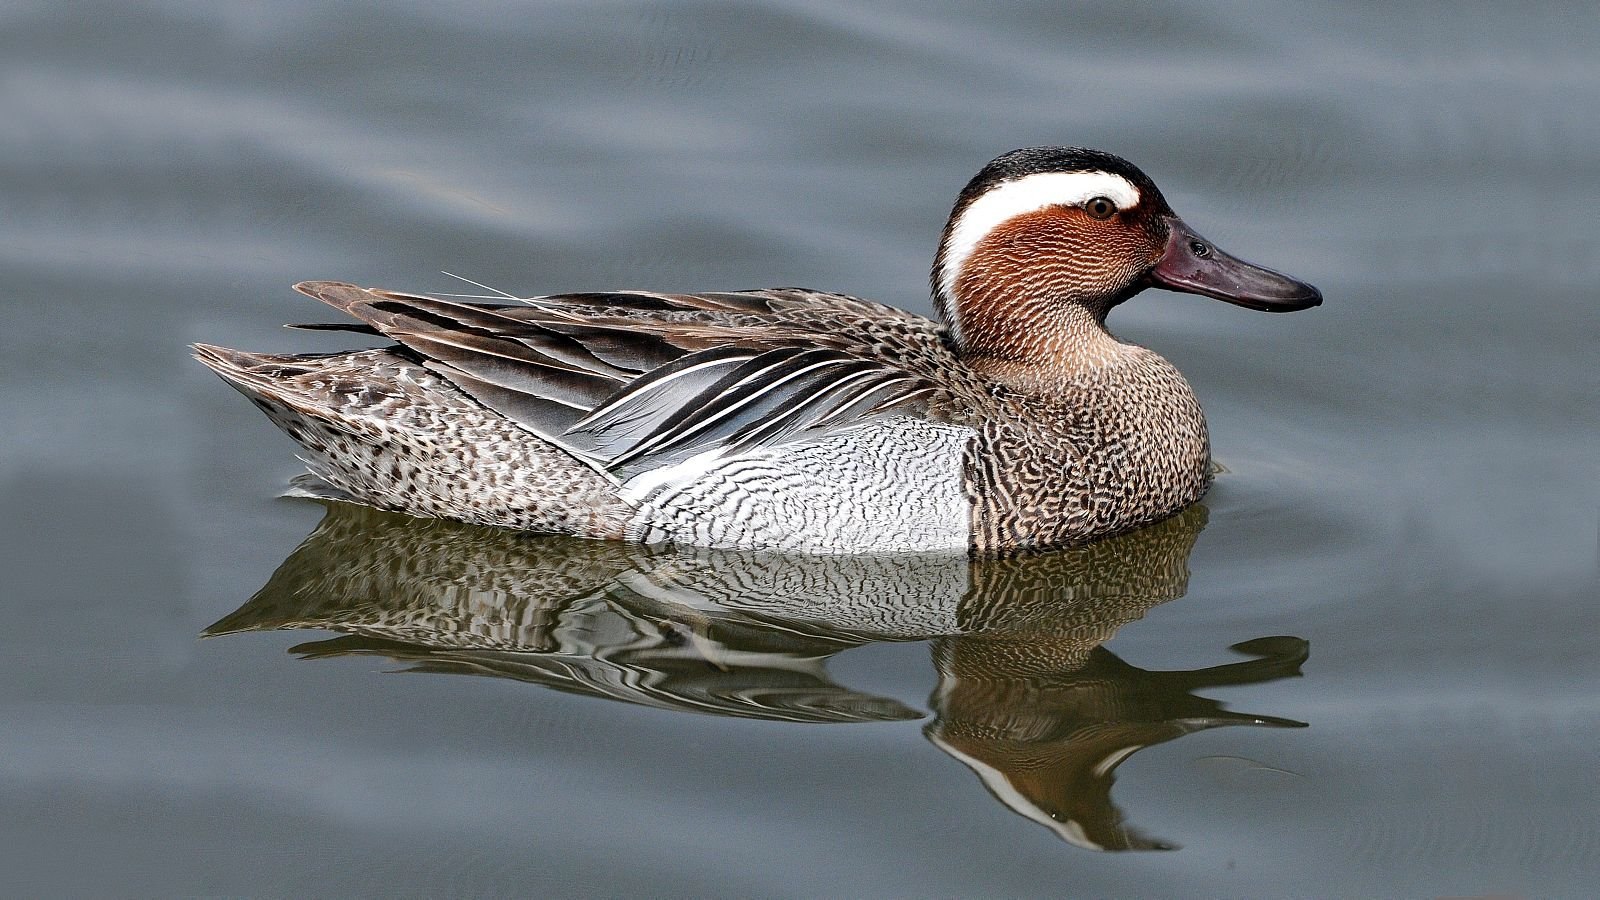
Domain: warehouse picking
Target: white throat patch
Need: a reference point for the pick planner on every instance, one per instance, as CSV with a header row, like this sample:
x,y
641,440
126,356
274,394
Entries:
x,y
1024,195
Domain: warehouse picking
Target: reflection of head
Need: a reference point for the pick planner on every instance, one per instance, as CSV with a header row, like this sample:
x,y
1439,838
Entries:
x,y
1046,743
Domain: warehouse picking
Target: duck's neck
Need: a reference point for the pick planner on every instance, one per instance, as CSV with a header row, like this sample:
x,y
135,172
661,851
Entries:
x,y
1037,346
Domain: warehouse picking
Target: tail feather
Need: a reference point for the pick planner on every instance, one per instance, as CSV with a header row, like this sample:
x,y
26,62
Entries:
x,y
382,430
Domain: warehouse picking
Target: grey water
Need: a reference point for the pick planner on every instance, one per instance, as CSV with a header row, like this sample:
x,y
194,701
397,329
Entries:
x,y
1368,665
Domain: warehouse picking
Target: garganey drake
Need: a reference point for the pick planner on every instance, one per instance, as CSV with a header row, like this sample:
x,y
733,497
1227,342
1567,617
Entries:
x,y
793,419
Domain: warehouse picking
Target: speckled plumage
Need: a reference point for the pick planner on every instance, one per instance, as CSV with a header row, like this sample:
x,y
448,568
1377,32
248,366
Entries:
x,y
383,430
791,419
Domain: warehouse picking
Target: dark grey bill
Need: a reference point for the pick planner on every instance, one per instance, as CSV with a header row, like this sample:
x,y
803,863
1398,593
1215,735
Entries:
x,y
1191,264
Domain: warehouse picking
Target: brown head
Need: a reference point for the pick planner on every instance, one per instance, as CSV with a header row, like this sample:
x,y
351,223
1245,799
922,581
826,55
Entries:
x,y
1043,242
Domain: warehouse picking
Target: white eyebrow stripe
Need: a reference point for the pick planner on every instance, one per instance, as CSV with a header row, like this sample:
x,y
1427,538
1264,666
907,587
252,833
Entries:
x,y
1024,195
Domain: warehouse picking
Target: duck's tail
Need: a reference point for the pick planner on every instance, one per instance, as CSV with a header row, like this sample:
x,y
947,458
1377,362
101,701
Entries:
x,y
381,429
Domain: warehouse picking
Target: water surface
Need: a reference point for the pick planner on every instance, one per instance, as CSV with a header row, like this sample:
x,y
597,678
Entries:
x,y
1402,552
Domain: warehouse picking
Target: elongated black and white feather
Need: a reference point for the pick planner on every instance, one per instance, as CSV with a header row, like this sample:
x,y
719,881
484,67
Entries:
x,y
766,399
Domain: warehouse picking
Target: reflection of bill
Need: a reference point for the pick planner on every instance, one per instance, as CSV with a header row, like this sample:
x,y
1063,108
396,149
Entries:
x,y
1027,697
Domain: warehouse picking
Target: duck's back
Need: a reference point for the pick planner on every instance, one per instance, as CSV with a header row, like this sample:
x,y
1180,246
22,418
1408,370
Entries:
x,y
784,419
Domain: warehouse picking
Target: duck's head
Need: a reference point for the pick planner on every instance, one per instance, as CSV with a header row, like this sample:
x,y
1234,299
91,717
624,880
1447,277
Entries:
x,y
1046,237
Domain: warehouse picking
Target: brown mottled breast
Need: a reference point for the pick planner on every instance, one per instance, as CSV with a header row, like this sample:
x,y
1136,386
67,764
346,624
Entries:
x,y
1122,447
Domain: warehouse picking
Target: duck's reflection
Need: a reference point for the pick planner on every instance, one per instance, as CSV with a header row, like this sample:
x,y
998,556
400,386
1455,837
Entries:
x,y
1027,698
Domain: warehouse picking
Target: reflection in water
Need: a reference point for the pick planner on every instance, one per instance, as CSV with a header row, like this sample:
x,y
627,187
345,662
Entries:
x,y
1027,697
1045,742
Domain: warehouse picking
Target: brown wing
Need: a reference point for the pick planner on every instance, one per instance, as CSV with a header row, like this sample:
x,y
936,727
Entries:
x,y
634,380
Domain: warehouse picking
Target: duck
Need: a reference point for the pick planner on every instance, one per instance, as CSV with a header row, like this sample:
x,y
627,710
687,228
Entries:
x,y
790,419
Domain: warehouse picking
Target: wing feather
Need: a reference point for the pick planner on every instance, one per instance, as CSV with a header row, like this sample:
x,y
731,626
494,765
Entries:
x,y
630,381
745,394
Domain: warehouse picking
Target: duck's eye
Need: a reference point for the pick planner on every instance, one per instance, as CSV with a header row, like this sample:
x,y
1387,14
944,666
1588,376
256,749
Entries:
x,y
1100,208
